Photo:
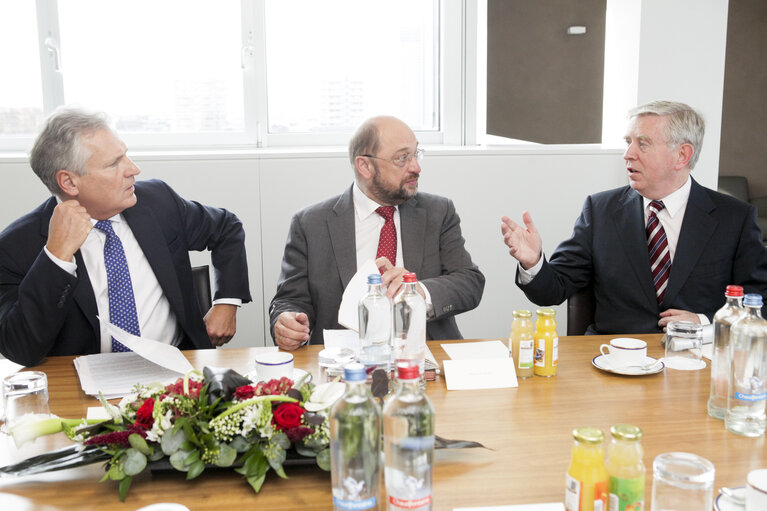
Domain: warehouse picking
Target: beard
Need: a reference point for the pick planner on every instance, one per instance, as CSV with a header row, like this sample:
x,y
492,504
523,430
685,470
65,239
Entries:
x,y
388,195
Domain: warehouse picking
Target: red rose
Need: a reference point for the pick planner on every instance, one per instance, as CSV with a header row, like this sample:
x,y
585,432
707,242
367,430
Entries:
x,y
144,414
288,415
244,393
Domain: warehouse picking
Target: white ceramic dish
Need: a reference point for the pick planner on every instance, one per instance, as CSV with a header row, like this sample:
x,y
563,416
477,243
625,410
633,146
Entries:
x,y
297,375
651,366
725,503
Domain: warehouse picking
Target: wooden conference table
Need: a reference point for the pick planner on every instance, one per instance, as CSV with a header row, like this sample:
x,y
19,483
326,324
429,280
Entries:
x,y
528,430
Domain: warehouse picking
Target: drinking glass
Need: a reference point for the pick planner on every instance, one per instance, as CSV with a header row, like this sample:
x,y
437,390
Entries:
x,y
24,393
682,482
684,343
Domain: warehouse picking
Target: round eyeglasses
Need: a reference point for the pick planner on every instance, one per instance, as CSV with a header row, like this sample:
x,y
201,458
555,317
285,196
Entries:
x,y
400,161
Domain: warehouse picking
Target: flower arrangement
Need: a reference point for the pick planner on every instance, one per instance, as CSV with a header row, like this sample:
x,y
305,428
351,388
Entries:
x,y
217,418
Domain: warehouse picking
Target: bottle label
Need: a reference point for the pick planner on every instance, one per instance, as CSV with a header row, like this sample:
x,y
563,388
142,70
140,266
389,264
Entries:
x,y
555,352
410,504
525,354
355,505
540,353
572,494
751,397
627,494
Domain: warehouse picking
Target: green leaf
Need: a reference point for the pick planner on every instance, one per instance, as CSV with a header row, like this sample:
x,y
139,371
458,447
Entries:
x,y
256,482
189,432
305,451
323,459
134,462
253,464
124,487
226,455
177,460
115,473
138,443
195,469
156,455
172,441
193,457
240,444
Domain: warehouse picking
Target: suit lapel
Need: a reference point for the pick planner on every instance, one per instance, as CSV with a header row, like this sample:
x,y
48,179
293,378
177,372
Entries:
x,y
628,221
148,233
341,231
413,225
697,227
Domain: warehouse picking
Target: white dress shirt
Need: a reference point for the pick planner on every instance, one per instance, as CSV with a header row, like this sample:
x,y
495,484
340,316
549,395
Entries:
x,y
367,231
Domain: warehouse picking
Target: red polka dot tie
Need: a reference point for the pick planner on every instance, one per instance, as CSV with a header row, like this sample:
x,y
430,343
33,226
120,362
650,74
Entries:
x,y
387,241
122,305
657,245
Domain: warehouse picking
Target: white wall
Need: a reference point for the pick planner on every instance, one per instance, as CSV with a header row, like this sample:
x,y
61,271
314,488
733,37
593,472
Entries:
x,y
264,190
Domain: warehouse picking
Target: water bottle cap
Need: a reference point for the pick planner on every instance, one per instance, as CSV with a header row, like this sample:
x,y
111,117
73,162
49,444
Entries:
x,y
409,278
753,300
734,291
407,372
374,278
355,372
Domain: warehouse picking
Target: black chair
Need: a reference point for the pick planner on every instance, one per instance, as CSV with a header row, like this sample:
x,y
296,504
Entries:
x,y
580,311
201,278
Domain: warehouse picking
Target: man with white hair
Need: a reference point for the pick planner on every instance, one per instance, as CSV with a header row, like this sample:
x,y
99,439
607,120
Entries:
x,y
661,249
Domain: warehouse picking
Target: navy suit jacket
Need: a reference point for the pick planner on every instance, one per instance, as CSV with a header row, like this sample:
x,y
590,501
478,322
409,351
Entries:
x,y
321,258
719,244
46,311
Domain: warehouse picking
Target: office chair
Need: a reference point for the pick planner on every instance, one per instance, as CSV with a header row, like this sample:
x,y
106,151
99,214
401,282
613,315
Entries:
x,y
580,311
201,278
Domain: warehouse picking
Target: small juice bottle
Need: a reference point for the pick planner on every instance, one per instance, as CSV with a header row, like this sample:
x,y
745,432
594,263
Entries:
x,y
546,343
625,468
521,342
587,478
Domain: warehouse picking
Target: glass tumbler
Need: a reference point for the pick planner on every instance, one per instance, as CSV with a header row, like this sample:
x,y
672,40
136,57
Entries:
x,y
24,393
682,482
684,343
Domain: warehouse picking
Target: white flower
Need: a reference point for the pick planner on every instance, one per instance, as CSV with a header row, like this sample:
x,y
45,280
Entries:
x,y
324,395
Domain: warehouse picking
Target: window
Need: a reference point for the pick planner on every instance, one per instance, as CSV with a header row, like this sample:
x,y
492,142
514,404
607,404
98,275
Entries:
x,y
182,73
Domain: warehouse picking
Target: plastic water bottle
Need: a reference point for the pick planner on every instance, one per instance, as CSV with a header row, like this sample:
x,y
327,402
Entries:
x,y
355,445
747,389
408,443
409,340
720,359
375,313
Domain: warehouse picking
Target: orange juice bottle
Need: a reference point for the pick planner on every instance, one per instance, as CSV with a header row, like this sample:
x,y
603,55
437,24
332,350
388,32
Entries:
x,y
546,343
587,478
521,342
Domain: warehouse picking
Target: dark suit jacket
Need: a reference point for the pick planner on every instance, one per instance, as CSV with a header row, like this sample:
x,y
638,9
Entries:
x,y
321,258
46,311
719,244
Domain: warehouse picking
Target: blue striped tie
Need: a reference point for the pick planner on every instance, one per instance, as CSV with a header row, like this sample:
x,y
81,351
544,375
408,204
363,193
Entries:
x,y
122,304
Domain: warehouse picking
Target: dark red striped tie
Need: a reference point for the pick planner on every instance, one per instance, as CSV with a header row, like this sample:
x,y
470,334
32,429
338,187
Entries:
x,y
657,245
387,241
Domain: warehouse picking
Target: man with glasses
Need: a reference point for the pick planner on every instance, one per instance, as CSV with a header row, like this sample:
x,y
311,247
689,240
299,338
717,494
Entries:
x,y
382,216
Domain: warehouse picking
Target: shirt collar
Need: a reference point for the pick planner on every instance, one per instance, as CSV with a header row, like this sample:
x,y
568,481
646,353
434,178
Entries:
x,y
364,206
118,218
675,201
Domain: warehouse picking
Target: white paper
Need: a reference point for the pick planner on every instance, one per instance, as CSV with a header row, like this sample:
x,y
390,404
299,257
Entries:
x,y
115,374
475,350
8,368
342,339
348,312
707,350
160,353
473,374
97,413
553,506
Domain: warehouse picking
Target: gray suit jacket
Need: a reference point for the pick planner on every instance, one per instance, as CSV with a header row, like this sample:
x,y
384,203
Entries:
x,y
719,244
320,259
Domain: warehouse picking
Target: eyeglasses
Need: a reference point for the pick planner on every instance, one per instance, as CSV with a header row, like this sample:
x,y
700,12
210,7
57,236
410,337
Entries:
x,y
403,160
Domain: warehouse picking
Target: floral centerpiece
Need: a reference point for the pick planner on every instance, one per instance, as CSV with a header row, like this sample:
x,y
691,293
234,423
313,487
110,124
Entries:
x,y
217,418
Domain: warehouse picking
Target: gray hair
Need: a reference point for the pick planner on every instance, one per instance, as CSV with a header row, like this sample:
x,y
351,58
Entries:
x,y
59,146
364,141
684,125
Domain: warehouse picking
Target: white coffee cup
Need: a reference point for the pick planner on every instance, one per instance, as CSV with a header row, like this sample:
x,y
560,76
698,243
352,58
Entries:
x,y
625,352
756,490
273,365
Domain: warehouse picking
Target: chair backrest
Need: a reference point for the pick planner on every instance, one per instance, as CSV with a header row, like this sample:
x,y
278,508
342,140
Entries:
x,y
580,311
737,186
201,278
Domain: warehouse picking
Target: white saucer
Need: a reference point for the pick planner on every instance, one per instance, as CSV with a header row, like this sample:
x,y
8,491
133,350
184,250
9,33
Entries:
x,y
297,375
724,503
601,363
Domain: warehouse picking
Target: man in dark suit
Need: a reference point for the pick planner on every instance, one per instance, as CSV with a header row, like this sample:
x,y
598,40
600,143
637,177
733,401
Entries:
x,y
53,277
328,241
705,240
